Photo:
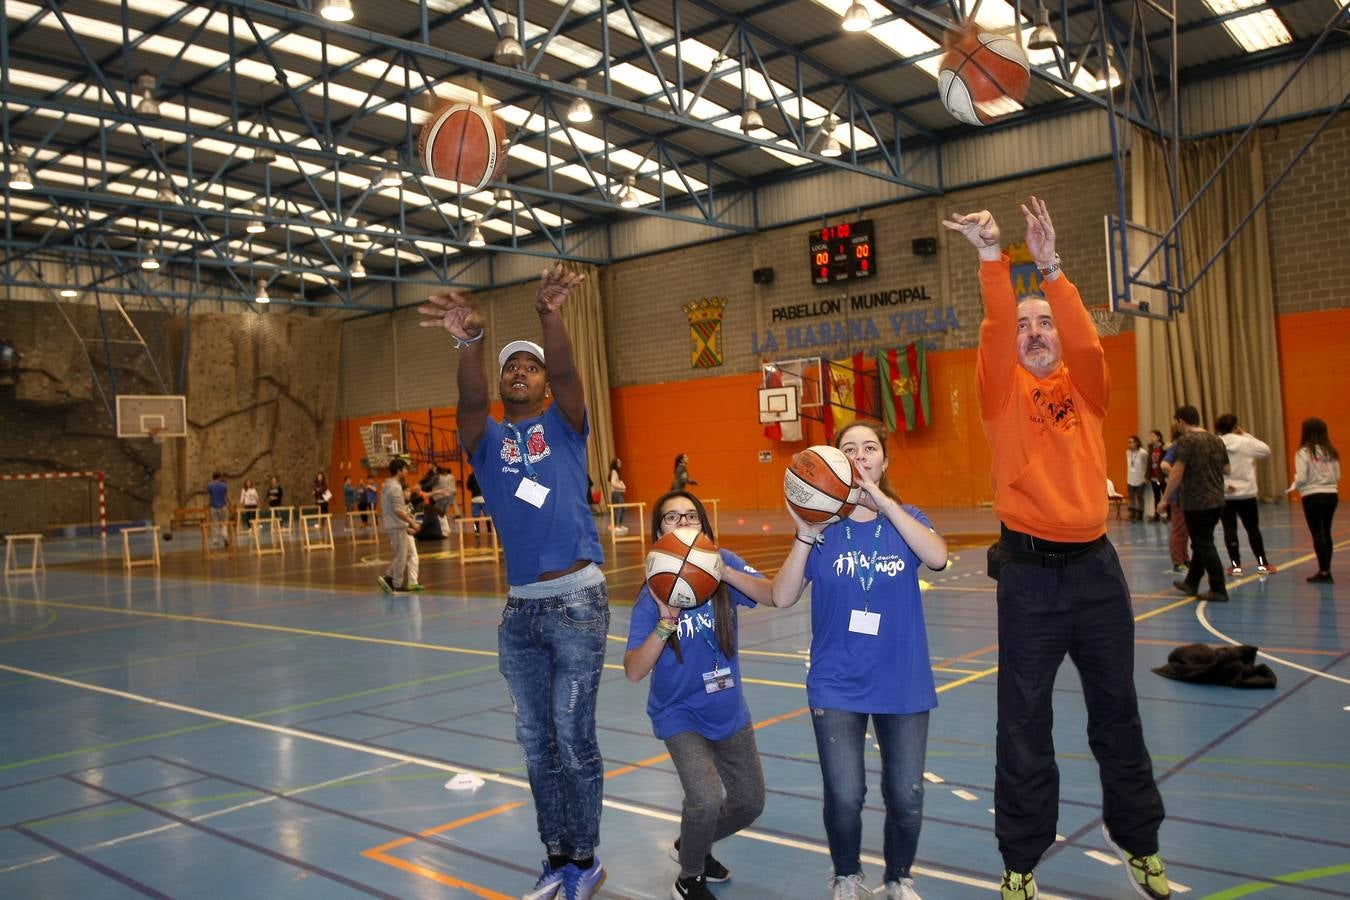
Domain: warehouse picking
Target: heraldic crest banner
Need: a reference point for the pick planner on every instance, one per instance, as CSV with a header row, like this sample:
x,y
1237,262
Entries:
x,y
705,331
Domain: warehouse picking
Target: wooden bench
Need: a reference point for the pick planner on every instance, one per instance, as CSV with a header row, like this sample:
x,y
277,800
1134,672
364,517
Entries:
x,y
12,542
192,515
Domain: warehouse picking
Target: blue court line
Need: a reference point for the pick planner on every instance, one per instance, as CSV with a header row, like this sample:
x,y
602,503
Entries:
x,y
71,853
238,841
1257,714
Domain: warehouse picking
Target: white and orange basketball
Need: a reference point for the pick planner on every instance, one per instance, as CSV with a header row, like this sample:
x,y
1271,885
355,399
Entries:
x,y
979,71
821,485
464,143
684,568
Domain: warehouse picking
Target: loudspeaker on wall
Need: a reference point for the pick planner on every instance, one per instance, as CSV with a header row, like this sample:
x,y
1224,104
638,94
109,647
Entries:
x,y
763,276
925,246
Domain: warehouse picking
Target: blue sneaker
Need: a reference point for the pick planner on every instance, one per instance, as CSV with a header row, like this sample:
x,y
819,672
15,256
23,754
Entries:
x,y
546,888
581,884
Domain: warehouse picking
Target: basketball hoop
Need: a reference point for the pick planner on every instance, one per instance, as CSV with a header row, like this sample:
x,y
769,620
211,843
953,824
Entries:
x,y
1106,320
156,435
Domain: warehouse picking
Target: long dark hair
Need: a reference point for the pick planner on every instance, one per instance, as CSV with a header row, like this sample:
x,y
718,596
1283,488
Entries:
x,y
1315,438
721,600
880,431
678,458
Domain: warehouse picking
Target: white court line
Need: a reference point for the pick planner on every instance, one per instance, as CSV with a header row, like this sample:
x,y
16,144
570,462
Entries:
x,y
1099,856
486,776
113,842
1204,623
965,795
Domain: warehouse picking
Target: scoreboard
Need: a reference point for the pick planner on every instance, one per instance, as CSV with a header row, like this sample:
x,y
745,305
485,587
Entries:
x,y
842,252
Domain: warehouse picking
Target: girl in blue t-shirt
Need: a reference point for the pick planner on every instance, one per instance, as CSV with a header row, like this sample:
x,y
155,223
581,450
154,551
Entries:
x,y
869,657
696,703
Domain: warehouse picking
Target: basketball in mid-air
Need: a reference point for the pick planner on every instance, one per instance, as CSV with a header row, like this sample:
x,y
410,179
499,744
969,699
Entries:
x,y
684,568
463,143
978,72
821,485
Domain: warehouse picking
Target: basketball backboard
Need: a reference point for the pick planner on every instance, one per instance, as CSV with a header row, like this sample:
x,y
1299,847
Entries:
x,y
1142,282
151,415
779,404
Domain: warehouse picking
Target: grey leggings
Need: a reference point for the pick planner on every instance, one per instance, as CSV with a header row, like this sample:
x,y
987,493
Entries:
x,y
706,768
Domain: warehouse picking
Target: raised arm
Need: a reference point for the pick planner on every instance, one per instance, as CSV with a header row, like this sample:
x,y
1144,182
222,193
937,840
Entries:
x,y
1082,348
757,589
997,353
458,314
555,286
790,581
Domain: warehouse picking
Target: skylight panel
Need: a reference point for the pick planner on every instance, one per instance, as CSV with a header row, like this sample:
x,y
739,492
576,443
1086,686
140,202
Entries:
x,y
1259,30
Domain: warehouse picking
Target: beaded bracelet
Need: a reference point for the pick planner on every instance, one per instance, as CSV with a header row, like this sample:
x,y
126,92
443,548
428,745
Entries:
x,y
665,628
461,343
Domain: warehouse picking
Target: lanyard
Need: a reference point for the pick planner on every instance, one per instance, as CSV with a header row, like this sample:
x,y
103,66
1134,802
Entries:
x,y
712,627
524,454
866,582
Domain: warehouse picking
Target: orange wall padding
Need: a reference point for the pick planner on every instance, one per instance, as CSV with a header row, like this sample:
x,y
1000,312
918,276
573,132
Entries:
x,y
1315,372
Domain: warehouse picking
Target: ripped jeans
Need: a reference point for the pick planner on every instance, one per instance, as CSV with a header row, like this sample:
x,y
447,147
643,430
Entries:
x,y
840,741
551,653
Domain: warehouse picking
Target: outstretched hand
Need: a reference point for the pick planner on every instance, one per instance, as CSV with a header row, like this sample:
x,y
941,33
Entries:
x,y
803,526
980,229
555,286
1040,233
456,312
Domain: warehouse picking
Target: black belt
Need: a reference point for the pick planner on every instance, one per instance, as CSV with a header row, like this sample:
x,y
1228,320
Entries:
x,y
1029,549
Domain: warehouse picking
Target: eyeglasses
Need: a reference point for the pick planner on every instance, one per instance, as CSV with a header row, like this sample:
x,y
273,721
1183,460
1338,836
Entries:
x,y
674,518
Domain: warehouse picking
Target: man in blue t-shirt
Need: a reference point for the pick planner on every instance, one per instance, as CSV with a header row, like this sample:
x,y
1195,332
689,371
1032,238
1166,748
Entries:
x,y
219,493
531,467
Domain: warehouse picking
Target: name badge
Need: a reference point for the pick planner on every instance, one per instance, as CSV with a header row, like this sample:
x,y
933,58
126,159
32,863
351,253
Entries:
x,y
718,680
532,492
861,622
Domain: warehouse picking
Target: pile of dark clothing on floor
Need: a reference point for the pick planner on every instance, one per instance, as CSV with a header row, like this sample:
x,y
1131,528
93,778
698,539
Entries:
x,y
1228,666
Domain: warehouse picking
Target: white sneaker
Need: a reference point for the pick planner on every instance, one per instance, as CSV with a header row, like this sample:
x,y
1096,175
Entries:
x,y
902,890
848,887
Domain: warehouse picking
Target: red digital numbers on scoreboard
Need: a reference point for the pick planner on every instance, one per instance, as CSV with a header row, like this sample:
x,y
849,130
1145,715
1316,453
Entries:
x,y
841,252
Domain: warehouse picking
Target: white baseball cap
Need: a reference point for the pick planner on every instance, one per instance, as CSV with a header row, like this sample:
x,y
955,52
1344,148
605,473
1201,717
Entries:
x,y
514,347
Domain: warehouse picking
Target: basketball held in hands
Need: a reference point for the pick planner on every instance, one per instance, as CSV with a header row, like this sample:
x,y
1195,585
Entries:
x,y
821,485
684,568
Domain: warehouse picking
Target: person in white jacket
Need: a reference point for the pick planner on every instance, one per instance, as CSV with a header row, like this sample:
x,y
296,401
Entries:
x,y
1317,469
1136,476
1240,489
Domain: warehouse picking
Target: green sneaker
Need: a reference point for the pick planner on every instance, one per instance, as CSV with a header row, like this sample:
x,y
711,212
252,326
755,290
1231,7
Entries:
x,y
1148,875
1018,885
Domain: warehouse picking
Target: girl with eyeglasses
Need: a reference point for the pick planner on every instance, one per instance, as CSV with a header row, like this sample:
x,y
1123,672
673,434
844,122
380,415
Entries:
x,y
869,657
696,703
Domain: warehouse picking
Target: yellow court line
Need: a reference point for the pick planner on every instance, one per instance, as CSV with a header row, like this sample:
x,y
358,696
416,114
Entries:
x,y
448,826
438,877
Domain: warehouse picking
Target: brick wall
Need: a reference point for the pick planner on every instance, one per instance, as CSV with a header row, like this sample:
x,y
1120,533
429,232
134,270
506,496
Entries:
x,y
1306,215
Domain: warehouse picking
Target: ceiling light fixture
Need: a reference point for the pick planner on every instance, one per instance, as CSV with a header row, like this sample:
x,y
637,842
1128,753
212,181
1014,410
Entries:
x,y
751,120
1043,36
336,10
150,259
832,146
359,266
257,211
579,112
261,296
264,154
147,106
476,236
390,176
628,198
856,18
509,52
165,193
18,177
69,293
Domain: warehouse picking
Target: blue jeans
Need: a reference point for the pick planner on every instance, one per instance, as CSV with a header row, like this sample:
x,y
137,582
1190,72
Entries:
x,y
617,497
551,653
840,739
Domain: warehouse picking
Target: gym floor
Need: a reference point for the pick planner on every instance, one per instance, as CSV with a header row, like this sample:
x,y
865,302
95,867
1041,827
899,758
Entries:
x,y
277,727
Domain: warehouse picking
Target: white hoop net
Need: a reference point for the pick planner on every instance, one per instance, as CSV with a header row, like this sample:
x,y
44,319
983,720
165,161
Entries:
x,y
1106,320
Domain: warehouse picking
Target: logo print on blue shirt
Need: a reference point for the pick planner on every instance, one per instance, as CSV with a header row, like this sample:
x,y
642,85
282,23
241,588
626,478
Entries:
x,y
845,565
535,445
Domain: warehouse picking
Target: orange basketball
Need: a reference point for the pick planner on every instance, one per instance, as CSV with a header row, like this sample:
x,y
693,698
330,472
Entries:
x,y
980,70
821,485
464,143
684,568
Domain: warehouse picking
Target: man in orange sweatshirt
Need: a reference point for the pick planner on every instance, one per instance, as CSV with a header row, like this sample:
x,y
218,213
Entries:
x,y
1044,388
